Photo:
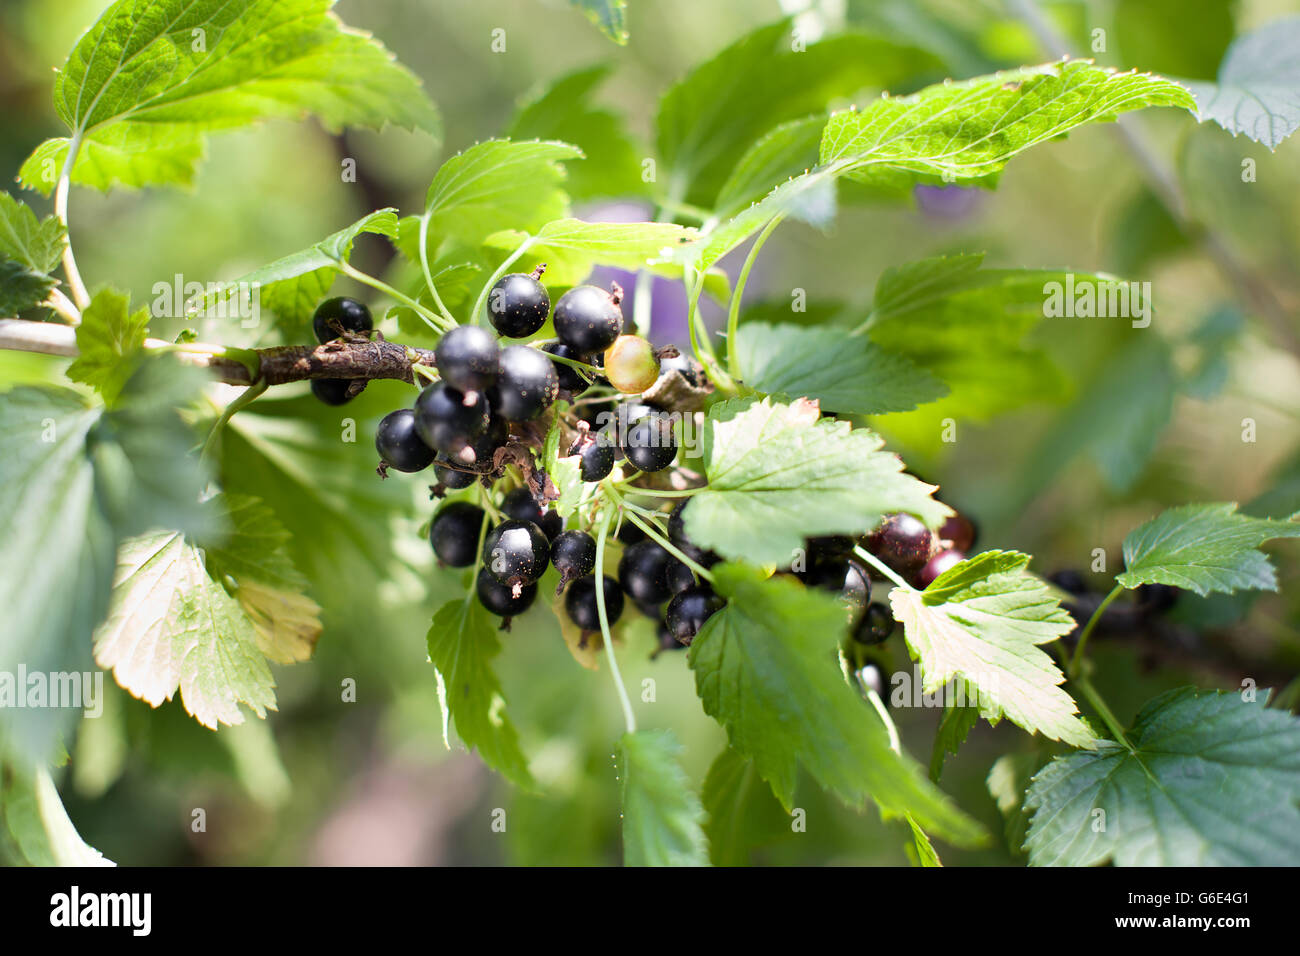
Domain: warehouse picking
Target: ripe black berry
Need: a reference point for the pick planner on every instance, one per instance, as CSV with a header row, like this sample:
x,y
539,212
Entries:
x,y
580,602
628,533
526,386
398,443
937,565
596,459
828,546
454,533
846,579
467,358
332,391
688,611
960,532
902,542
485,445
516,552
520,505
450,477
574,554
448,420
677,535
876,625
1156,598
588,319
518,305
666,641
570,379
650,444
333,317
644,571
502,599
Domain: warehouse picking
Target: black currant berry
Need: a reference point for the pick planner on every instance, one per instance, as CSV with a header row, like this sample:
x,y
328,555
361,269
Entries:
x,y
580,602
960,533
846,579
1156,598
588,319
486,445
828,546
503,600
941,562
467,358
872,678
876,625
689,369
399,445
518,305
677,535
332,391
574,554
516,552
650,444
571,380
520,505
665,640
644,571
680,577
451,477
526,386
449,420
596,460
333,317
688,611
628,533
903,543
454,533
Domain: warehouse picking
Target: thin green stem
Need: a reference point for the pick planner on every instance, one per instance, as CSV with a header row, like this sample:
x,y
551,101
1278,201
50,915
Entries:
x,y
436,322
428,275
888,721
428,373
481,301
733,313
79,294
880,566
1077,660
662,540
591,370
629,718
1099,705
652,492
243,400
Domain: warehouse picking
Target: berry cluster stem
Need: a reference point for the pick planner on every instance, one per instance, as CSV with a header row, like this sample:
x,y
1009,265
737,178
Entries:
x,y
1076,661
883,568
629,718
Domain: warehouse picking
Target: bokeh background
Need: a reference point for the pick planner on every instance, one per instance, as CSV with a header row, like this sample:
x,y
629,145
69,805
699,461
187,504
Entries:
x,y
327,782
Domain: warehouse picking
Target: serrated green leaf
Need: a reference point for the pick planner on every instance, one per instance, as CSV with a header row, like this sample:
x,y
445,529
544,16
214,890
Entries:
x,y
20,288
741,811
38,824
1214,780
1258,92
661,814
109,340
1204,548
848,375
1007,782
564,470
628,245
921,850
980,624
36,244
958,721
150,79
766,669
462,643
783,152
609,16
778,474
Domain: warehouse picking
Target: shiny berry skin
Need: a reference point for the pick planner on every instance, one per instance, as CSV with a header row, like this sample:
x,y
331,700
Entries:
x,y
454,533
580,602
516,552
628,533
871,677
485,445
520,505
960,533
332,391
631,364
937,565
399,445
677,535
450,477
644,571
650,444
526,386
333,317
845,579
680,577
596,460
574,555
588,319
903,543
448,420
666,641
518,305
688,611
468,358
570,380
828,546
500,599
876,625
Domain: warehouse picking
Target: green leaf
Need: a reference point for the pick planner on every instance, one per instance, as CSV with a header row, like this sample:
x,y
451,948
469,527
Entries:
x,y
784,151
1258,92
35,819
741,811
777,474
149,80
628,245
766,669
462,642
848,375
109,340
292,287
1214,780
35,244
969,131
563,111
1203,548
499,183
609,16
661,814
958,721
564,470
1007,781
979,625
921,850
20,288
